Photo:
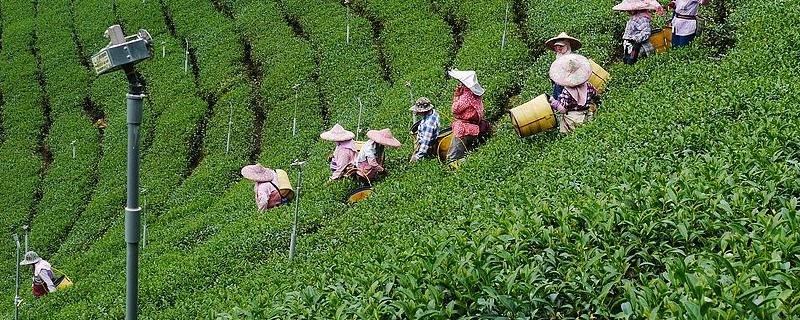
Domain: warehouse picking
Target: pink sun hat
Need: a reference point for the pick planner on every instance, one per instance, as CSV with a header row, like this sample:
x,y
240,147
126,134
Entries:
x,y
571,70
258,173
383,137
337,134
635,5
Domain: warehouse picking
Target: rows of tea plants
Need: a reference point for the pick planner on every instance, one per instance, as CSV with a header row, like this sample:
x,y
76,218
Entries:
x,y
674,218
68,181
22,120
599,223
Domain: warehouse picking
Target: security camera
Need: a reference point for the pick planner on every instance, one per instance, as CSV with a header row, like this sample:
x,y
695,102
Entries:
x,y
122,51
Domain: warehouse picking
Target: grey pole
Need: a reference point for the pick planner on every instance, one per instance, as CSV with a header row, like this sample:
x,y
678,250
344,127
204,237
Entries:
x,y
230,123
17,299
132,209
122,53
296,88
293,242
73,148
505,28
360,111
163,49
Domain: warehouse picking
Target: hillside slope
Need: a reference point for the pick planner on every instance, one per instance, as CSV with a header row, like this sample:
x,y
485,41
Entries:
x,y
679,201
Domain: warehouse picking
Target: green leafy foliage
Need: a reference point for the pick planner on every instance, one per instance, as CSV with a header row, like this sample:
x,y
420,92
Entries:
x,y
680,201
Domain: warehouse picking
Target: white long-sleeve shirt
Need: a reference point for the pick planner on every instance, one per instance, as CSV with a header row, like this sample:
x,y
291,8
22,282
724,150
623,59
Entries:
x,y
685,27
43,274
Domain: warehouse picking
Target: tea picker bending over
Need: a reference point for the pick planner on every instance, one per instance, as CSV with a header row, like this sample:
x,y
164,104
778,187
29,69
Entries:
x,y
427,130
266,192
467,113
573,106
684,20
370,158
345,153
636,39
44,281
562,45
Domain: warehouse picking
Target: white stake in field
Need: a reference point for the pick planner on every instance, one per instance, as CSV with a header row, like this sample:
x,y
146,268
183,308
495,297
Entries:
x,y
296,88
230,124
505,28
360,112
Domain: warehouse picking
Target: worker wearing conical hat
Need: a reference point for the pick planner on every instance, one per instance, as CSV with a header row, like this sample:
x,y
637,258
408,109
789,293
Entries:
x,y
44,281
572,107
427,129
467,113
345,153
684,20
370,158
562,45
266,192
636,39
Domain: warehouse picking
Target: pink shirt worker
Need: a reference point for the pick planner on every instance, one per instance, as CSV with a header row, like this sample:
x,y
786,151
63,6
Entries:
x,y
266,192
345,153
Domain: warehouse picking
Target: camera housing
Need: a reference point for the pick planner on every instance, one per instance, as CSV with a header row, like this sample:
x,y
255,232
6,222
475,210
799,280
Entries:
x,y
122,51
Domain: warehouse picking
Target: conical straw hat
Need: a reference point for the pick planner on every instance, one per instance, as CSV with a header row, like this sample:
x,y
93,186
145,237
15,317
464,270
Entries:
x,y
574,43
258,173
635,5
30,258
469,79
571,70
337,134
383,137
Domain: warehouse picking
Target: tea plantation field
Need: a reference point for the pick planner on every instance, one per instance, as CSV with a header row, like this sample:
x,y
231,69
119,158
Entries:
x,y
680,201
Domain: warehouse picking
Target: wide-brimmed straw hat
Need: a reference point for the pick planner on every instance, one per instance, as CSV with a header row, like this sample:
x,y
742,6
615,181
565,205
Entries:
x,y
571,70
469,79
383,137
30,258
574,43
337,134
635,5
258,173
423,104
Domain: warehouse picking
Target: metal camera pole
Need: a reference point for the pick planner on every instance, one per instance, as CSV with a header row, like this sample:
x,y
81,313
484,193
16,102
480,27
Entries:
x,y
17,299
360,111
293,243
296,88
121,54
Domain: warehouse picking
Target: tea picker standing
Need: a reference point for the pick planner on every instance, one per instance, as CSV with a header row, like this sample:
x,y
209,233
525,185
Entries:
x,y
345,153
562,45
44,281
573,106
635,40
684,20
467,113
266,192
427,130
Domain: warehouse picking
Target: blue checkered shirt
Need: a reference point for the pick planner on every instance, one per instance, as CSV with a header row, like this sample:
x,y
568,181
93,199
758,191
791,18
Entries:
x,y
427,133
